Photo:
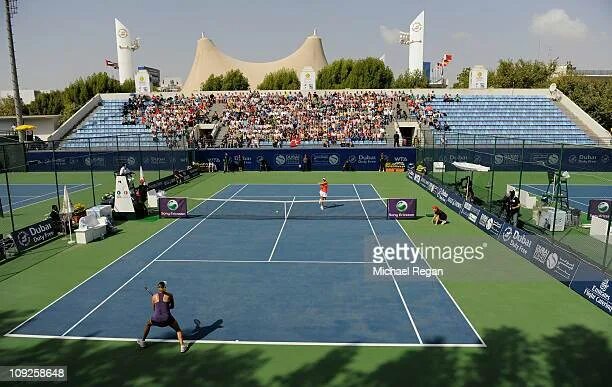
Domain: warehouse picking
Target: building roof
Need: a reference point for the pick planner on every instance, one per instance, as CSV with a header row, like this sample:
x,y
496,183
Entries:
x,y
209,60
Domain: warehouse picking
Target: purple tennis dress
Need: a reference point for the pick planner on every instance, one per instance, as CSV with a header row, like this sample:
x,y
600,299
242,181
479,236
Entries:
x,y
161,315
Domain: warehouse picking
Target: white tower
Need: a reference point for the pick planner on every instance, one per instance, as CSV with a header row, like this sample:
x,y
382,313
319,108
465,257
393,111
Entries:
x,y
415,44
125,47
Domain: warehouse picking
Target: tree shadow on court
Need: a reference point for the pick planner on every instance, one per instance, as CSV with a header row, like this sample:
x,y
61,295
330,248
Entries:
x,y
426,367
571,356
322,372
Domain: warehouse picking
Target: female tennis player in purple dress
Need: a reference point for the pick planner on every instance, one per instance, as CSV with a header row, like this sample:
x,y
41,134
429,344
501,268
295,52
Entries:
x,y
162,302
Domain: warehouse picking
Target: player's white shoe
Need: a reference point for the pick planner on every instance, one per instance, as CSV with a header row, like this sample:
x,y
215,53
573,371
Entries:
x,y
183,348
321,207
141,343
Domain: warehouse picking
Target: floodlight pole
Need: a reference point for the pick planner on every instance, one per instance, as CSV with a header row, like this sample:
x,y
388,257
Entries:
x,y
10,8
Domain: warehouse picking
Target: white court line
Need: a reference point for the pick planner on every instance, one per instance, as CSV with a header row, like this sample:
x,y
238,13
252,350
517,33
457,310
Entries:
x,y
39,196
44,200
104,268
296,196
439,281
150,263
261,261
281,229
248,342
392,276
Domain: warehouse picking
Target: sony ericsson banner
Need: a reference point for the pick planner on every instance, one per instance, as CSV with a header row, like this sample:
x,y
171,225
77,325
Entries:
x,y
172,207
33,235
593,285
601,208
470,211
401,208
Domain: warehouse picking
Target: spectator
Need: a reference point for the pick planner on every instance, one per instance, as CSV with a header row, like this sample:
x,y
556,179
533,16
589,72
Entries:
x,y
382,161
226,161
513,208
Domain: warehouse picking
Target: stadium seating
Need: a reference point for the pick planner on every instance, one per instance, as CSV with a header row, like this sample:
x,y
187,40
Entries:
x,y
511,118
103,127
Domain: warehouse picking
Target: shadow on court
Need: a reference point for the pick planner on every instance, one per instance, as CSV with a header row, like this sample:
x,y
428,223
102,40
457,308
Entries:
x,y
569,356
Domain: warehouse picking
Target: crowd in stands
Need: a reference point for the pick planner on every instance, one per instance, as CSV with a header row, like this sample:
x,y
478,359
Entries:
x,y
170,118
331,118
282,119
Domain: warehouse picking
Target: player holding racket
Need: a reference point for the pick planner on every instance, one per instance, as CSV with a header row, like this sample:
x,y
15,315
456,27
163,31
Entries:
x,y
162,302
323,193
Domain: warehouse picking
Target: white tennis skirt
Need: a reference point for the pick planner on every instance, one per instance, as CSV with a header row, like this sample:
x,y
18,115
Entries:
x,y
323,194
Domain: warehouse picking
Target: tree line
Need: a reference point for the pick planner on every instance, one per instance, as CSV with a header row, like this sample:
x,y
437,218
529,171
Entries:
x,y
367,73
66,102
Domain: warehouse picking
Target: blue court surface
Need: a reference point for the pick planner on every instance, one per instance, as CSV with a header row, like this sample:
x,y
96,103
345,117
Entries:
x,y
579,194
23,195
303,280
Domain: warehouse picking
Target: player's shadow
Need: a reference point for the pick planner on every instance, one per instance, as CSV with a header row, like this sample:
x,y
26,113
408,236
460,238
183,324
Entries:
x,y
199,332
334,205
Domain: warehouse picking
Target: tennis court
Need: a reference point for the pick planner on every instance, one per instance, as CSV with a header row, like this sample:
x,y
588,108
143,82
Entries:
x,y
579,195
23,195
266,278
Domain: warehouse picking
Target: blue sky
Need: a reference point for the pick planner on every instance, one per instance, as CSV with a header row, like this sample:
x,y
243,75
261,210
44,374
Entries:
x,y
57,41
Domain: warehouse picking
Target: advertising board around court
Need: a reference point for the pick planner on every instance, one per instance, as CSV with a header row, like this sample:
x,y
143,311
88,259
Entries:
x,y
172,207
34,235
489,223
602,208
401,208
470,211
552,259
593,285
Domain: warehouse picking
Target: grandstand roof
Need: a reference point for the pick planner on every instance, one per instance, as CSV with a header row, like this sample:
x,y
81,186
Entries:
x,y
210,60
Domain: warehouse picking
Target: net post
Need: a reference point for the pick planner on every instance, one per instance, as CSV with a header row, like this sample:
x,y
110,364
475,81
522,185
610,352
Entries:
x,y
492,174
520,184
93,189
8,188
57,192
555,193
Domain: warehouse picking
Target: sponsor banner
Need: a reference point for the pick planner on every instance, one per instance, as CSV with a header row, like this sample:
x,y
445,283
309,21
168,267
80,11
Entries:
x,y
535,159
557,262
470,211
594,285
163,184
172,207
490,224
517,240
411,174
322,159
455,201
34,235
442,194
602,208
151,160
401,208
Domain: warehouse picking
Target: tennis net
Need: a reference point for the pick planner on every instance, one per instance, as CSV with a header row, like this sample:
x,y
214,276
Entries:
x,y
289,209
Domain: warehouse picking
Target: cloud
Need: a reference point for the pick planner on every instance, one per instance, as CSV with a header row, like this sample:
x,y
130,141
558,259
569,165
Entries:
x,y
390,35
461,35
557,23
